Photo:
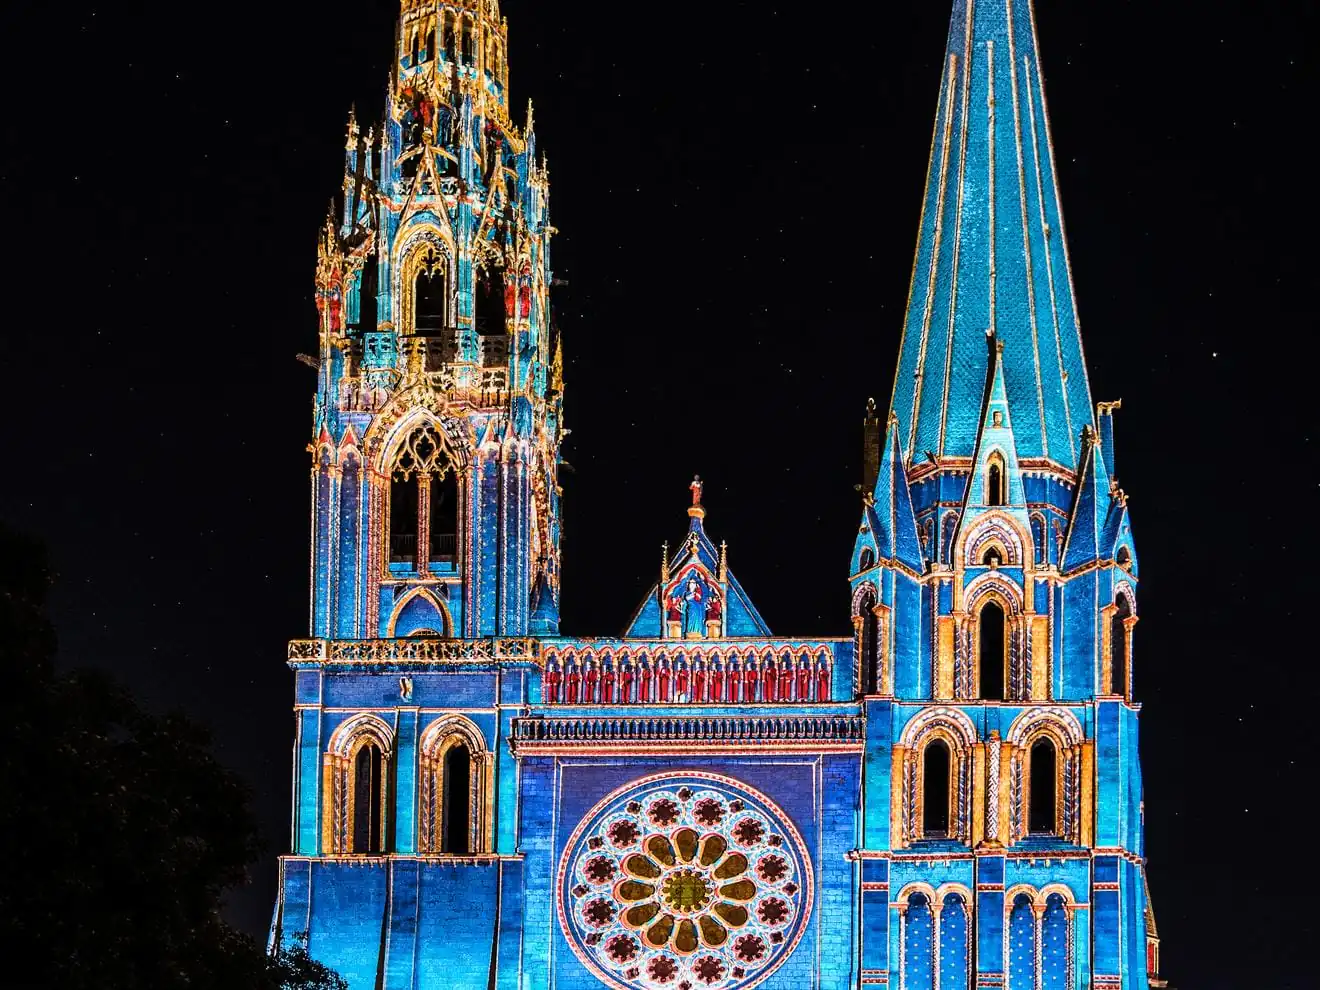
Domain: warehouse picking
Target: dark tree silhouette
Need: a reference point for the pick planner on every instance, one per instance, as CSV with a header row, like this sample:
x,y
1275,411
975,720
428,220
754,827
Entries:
x,y
121,830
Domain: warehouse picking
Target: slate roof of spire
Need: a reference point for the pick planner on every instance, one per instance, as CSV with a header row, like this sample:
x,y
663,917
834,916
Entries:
x,y
991,254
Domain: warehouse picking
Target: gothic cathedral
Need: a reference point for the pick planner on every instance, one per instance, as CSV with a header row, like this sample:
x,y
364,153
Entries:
x,y
947,796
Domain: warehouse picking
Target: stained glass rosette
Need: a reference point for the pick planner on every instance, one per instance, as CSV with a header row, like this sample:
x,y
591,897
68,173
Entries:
x,y
684,881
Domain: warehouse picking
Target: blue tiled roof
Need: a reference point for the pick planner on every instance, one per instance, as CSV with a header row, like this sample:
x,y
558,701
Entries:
x,y
991,254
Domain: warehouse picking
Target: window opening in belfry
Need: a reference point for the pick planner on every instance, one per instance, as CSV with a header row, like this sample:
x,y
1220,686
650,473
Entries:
x,y
935,789
457,774
429,299
367,294
993,557
995,484
467,42
870,646
368,800
444,517
1118,647
403,519
1041,818
992,652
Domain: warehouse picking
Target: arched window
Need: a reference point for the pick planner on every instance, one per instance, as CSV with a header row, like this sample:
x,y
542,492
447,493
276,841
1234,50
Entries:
x,y
366,296
455,828
993,557
1118,647
403,519
867,560
444,518
1056,963
490,315
936,788
1124,559
368,834
993,651
994,482
1041,801
1038,538
449,36
869,644
430,295
468,51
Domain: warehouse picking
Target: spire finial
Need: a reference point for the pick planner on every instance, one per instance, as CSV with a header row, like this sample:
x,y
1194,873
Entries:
x,y
664,563
724,562
696,510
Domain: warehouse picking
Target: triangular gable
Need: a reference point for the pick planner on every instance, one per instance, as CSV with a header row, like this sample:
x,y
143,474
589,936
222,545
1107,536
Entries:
x,y
995,435
697,577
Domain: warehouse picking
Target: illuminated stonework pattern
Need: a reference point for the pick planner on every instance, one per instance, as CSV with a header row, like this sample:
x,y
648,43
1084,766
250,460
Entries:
x,y
685,881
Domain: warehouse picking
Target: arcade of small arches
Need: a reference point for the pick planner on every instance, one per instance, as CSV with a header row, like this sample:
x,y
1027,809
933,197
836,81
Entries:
x,y
453,37
732,675
936,941
455,789
1027,785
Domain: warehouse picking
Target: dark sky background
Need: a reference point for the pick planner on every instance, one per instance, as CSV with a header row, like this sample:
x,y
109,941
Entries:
x,y
738,187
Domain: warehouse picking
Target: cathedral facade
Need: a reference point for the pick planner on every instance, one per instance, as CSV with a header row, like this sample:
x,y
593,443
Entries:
x,y
946,795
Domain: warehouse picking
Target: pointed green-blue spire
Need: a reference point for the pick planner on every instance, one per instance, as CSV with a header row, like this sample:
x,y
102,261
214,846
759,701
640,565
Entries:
x,y
991,254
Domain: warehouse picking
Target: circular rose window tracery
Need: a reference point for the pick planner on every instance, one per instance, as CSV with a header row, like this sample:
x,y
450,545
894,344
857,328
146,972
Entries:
x,y
684,881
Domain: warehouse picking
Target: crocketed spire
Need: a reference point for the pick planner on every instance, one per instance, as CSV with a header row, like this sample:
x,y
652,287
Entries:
x,y
991,255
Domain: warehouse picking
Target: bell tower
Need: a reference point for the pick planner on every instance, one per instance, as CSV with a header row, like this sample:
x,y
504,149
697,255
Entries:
x,y
438,408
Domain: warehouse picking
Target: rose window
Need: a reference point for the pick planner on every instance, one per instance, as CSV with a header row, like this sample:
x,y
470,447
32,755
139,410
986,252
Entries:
x,y
682,882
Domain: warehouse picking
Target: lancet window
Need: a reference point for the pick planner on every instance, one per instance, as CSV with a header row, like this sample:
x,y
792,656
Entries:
x,y
995,481
456,774
937,771
1120,645
870,650
1045,763
358,777
424,502
992,644
430,295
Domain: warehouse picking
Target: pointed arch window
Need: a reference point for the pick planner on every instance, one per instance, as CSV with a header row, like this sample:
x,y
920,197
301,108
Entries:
x,y
994,557
868,642
936,789
357,790
994,481
1119,646
867,560
455,790
468,48
430,297
449,43
455,831
366,295
368,835
490,313
1042,792
992,635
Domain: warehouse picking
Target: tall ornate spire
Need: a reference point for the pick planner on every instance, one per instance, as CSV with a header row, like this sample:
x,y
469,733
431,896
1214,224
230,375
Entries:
x,y
991,255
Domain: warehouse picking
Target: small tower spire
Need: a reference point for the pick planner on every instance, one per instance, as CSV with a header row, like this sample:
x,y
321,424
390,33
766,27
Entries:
x,y
870,446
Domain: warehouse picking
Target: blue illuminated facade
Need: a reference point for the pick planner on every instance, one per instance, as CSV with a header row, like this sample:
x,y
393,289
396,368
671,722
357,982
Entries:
x,y
946,795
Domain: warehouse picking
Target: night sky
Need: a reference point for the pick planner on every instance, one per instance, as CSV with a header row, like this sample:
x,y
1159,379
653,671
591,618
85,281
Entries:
x,y
737,188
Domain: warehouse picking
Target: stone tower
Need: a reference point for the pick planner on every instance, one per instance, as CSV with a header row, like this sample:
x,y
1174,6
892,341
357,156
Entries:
x,y
995,580
946,795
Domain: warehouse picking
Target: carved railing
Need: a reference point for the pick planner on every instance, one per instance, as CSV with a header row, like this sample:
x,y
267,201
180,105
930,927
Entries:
x,y
689,732
412,651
